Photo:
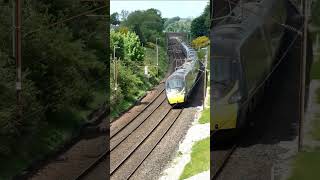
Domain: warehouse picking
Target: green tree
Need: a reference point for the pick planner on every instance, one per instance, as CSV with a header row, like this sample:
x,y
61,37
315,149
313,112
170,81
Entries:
x,y
114,19
179,26
147,24
124,15
116,39
170,21
129,46
61,68
133,48
200,25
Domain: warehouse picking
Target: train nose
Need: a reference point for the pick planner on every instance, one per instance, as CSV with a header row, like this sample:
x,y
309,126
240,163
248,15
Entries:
x,y
224,116
175,98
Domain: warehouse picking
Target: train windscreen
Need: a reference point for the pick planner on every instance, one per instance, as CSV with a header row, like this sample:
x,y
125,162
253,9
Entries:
x,y
175,85
224,76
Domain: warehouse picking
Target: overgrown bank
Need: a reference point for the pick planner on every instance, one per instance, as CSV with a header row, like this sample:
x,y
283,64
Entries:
x,y
136,70
306,162
133,50
63,80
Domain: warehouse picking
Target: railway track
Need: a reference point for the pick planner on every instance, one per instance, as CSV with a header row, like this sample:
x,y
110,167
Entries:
x,y
101,159
130,162
150,107
221,159
85,150
133,140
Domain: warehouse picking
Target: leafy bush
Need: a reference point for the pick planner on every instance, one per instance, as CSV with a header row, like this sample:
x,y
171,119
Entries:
x,y
200,25
147,24
200,42
179,26
133,49
123,30
132,82
63,67
151,45
129,46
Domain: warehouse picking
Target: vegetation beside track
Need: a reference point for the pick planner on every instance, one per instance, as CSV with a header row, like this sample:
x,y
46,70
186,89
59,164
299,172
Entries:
x,y
137,48
306,166
205,116
306,163
200,155
315,70
140,83
200,159
63,79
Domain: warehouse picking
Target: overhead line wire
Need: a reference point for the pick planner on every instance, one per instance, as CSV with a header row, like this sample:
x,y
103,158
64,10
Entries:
x,y
272,18
65,20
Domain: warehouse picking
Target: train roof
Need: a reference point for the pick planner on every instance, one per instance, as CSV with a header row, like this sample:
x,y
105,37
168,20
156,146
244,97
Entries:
x,y
241,21
183,71
230,33
189,64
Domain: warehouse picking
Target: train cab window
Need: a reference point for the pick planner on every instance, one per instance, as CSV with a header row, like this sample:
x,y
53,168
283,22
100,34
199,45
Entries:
x,y
256,59
175,85
225,73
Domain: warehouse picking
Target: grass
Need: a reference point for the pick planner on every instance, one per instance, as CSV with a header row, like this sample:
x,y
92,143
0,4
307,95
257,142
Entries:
x,y
315,132
200,159
306,166
205,116
315,70
318,95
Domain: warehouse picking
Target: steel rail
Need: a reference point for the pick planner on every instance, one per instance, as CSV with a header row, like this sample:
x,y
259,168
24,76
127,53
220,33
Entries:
x,y
224,162
113,147
141,142
103,156
94,164
143,110
168,129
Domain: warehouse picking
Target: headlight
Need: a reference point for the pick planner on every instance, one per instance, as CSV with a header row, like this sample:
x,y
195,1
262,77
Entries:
x,y
235,98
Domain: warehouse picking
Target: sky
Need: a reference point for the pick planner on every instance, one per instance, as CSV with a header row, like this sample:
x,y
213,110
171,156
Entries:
x,y
168,8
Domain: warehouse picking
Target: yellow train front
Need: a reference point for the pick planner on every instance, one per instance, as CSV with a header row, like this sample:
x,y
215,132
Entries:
x,y
181,82
175,88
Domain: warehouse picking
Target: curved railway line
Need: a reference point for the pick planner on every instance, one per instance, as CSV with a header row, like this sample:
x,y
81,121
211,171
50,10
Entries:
x,y
133,139
132,143
120,135
219,163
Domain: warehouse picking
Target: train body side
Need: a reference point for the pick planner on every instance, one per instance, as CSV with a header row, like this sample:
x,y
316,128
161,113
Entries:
x,y
181,82
243,55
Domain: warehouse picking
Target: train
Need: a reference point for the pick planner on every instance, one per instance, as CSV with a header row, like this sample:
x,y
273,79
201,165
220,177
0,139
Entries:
x,y
245,50
179,85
